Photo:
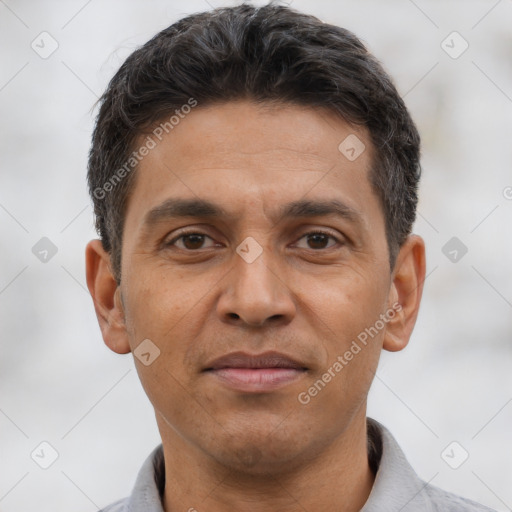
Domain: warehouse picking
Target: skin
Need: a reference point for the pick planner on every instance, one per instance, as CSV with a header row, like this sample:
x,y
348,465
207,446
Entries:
x,y
309,298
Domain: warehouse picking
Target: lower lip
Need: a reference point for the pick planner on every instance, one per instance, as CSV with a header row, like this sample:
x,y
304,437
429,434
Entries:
x,y
257,379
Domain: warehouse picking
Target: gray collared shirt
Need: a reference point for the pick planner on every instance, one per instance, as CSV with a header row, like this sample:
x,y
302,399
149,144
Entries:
x,y
397,488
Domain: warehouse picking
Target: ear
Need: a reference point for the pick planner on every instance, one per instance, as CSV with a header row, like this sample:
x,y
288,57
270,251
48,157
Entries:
x,y
406,290
107,297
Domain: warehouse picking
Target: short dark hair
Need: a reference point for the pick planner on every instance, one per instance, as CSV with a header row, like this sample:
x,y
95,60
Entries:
x,y
266,54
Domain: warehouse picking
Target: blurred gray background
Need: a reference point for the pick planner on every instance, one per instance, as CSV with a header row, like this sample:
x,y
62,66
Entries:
x,y
452,61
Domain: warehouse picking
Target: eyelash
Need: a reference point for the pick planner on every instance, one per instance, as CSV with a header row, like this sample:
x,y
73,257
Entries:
x,y
195,232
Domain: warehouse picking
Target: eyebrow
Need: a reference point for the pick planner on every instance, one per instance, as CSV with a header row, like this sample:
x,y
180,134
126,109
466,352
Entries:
x,y
178,208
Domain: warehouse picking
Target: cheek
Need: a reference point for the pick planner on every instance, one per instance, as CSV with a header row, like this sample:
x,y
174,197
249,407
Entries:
x,y
158,302
345,311
170,311
347,305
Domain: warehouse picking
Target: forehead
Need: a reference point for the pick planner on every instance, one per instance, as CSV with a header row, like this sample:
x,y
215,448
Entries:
x,y
241,130
243,154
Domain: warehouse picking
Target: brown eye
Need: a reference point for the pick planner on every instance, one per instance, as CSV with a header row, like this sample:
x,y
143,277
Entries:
x,y
318,240
193,241
190,241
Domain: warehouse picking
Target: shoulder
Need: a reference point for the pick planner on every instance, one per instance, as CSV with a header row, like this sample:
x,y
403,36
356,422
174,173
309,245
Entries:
x,y
148,487
398,487
445,501
118,506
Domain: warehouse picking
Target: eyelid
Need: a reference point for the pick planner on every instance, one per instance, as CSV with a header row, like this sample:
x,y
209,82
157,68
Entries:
x,y
182,233
339,239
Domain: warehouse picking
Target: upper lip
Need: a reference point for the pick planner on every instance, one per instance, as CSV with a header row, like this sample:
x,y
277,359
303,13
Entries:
x,y
269,359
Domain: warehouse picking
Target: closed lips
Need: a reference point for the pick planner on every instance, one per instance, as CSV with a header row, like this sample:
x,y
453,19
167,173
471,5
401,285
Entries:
x,y
255,361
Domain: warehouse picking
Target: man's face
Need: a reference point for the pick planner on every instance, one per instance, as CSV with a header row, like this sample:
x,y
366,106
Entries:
x,y
305,285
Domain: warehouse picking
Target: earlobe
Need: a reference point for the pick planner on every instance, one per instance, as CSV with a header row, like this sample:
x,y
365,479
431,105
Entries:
x,y
105,294
406,291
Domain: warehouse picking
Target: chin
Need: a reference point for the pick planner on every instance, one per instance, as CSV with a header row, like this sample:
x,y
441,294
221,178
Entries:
x,y
265,454
251,460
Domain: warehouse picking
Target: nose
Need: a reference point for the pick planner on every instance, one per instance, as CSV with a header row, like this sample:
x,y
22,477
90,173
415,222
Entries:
x,y
255,294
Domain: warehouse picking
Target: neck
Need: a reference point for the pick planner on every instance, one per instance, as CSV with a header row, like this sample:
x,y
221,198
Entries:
x,y
338,478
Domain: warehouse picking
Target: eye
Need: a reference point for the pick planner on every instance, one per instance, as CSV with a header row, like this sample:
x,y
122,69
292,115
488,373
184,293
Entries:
x,y
318,240
193,241
190,241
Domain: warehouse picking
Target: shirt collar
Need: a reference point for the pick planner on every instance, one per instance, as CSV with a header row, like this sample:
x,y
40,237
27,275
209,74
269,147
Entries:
x,y
396,485
146,496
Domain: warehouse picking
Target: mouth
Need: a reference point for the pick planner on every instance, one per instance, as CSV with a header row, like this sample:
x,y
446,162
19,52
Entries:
x,y
256,372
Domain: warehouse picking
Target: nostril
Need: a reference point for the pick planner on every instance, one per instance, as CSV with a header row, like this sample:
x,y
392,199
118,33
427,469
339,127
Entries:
x,y
234,316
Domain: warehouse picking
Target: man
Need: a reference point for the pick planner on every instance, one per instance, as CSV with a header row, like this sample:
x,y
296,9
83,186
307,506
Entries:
x,y
254,175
